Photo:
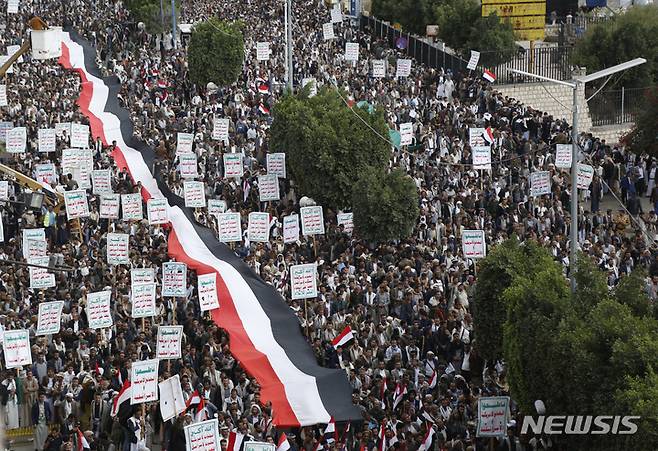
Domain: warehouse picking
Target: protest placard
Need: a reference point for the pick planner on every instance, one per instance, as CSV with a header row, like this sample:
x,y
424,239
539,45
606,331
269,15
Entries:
x,y
291,228
76,204
473,61
144,381
584,176
258,446
336,14
45,173
230,227
117,249
268,187
174,279
36,236
4,128
406,133
172,401
347,221
109,206
195,194
142,298
16,347
563,154
262,51
216,206
49,320
2,232
476,137
131,207
312,220
276,164
474,244
203,436
101,181
83,167
351,51
403,67
220,129
3,96
258,229
16,140
99,314
188,166
63,128
481,157
13,49
3,60
35,249
4,190
169,342
207,286
12,7
328,31
157,211
47,140
378,68
79,136
313,89
540,183
184,143
303,281
233,165
142,275
40,277
493,412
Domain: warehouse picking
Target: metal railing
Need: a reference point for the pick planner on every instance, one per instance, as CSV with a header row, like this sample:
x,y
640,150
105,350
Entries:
x,y
552,62
547,61
617,106
422,51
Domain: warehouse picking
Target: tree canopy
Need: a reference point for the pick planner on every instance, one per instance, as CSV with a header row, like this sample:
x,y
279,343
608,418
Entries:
x,y
629,35
216,52
585,354
462,27
385,205
412,15
148,12
326,146
643,137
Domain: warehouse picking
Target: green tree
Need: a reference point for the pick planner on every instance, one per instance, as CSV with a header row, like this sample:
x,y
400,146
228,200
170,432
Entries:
x,y
326,146
633,34
643,137
216,52
495,274
413,15
385,205
148,12
462,28
581,356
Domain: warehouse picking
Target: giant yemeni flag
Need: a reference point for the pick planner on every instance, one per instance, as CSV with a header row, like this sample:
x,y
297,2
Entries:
x,y
264,333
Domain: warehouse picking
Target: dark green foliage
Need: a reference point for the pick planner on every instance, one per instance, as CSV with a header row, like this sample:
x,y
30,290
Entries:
x,y
216,52
326,146
385,205
148,12
630,35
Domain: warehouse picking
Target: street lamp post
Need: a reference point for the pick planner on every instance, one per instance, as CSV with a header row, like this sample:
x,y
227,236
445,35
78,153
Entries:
x,y
575,84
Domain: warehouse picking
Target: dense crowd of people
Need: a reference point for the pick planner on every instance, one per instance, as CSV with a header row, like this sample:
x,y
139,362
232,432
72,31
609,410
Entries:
x,y
409,302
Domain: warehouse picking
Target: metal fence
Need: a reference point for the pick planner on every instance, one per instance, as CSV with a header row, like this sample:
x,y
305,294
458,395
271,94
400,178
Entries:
x,y
618,106
428,54
547,61
552,62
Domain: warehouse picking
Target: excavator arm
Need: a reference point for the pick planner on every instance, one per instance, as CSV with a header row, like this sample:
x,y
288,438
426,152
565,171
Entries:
x,y
35,24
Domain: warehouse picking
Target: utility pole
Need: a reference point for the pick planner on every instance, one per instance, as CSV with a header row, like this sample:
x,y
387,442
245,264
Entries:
x,y
574,84
574,189
289,44
173,22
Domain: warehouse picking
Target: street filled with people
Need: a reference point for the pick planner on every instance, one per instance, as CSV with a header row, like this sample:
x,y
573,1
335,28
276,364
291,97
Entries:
x,y
413,363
